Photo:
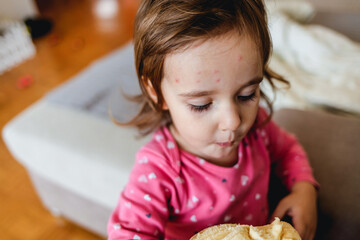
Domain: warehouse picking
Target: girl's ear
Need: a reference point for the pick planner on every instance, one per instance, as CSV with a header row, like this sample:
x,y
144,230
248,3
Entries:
x,y
165,106
150,90
152,93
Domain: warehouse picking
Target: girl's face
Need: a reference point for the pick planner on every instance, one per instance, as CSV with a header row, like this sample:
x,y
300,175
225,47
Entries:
x,y
212,93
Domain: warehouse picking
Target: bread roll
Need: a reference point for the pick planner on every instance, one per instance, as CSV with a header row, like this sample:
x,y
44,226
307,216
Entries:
x,y
277,230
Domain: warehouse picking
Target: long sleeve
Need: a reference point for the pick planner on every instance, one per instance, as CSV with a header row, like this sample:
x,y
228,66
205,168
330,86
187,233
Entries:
x,y
142,210
289,157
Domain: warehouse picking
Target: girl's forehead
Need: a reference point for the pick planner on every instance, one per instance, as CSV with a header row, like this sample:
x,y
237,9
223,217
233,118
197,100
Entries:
x,y
213,45
222,63
206,55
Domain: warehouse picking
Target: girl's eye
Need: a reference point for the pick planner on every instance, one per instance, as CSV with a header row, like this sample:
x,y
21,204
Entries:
x,y
200,108
247,98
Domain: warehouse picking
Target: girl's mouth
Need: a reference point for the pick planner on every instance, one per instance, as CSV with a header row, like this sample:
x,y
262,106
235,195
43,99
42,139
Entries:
x,y
225,144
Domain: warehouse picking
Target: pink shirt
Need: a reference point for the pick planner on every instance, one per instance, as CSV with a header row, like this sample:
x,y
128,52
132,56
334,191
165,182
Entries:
x,y
173,194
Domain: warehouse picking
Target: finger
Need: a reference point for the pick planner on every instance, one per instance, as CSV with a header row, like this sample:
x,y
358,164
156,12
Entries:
x,y
312,235
305,228
300,227
306,235
280,210
312,232
309,234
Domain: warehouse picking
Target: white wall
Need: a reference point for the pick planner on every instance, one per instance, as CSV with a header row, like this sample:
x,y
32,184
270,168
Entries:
x,y
18,9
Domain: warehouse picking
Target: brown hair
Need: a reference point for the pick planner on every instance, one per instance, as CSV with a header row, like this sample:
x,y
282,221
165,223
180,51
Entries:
x,y
164,26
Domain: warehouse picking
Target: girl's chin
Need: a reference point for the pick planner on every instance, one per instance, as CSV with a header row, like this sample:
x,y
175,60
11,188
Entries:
x,y
224,162
226,159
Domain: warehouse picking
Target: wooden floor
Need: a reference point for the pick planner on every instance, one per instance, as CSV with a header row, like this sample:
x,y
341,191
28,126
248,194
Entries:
x,y
79,36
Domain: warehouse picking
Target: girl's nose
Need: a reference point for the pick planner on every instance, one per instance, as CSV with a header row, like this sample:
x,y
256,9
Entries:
x,y
229,118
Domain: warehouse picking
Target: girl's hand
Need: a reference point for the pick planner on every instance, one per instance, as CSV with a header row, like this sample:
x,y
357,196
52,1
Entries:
x,y
300,204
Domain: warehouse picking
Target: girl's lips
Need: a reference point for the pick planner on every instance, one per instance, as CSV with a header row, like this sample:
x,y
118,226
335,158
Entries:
x,y
225,144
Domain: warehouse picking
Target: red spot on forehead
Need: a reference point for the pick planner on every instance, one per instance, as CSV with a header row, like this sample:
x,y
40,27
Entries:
x,y
218,80
240,58
198,81
177,80
198,72
196,45
216,71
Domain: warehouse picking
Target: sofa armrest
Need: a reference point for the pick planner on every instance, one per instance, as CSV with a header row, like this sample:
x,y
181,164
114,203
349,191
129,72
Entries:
x,y
81,152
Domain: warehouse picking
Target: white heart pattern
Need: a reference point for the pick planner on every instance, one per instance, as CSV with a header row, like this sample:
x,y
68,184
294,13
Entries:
x,y
257,196
227,218
179,180
136,237
170,145
116,226
249,217
152,176
147,197
195,199
142,178
158,138
143,160
193,218
244,180
263,133
232,198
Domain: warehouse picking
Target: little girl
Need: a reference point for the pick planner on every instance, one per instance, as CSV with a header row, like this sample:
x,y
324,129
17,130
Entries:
x,y
200,64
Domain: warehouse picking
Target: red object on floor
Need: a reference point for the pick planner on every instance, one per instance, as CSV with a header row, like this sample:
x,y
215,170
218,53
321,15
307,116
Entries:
x,y
25,81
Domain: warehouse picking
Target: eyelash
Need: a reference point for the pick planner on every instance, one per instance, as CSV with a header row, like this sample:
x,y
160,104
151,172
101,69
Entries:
x,y
201,108
247,98
205,107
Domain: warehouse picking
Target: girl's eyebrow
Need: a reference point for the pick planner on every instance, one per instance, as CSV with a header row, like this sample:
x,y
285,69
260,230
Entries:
x,y
194,94
254,81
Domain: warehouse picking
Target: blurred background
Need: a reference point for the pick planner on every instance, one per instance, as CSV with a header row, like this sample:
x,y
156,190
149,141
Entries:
x,y
80,32
65,37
